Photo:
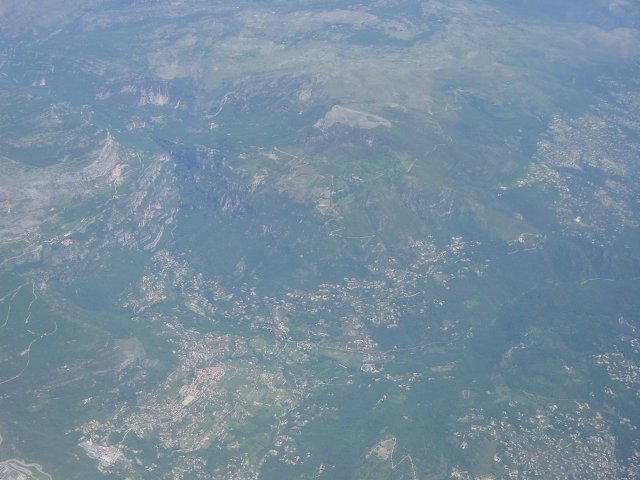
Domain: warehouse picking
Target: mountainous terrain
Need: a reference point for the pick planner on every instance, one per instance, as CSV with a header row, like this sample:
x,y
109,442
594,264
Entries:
x,y
386,240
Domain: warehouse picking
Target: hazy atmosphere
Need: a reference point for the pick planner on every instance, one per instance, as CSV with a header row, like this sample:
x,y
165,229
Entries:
x,y
390,240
